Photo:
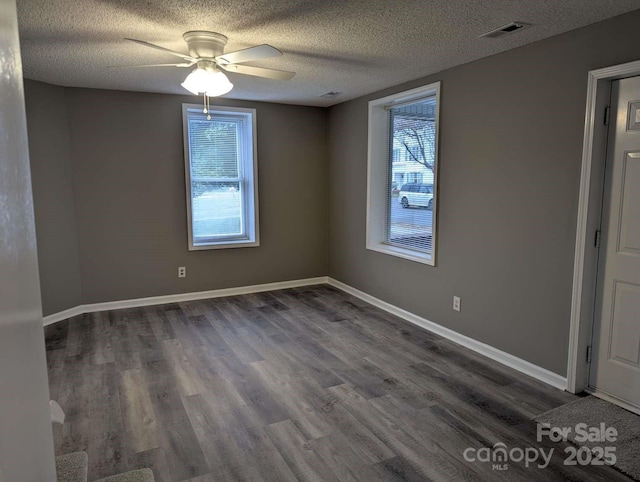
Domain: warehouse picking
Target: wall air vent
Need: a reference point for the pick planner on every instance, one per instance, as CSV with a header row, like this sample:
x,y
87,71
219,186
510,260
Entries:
x,y
329,95
506,29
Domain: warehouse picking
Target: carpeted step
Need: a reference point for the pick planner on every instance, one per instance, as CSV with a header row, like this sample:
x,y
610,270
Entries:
x,y
72,467
594,413
142,475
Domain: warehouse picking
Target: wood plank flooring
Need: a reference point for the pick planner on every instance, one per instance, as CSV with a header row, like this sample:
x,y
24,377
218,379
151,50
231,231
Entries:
x,y
302,384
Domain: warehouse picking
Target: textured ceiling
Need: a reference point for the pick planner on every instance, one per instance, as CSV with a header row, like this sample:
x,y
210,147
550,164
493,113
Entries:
x,y
350,46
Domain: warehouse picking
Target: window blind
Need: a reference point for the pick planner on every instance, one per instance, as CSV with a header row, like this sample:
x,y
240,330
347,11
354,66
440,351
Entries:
x,y
411,195
217,182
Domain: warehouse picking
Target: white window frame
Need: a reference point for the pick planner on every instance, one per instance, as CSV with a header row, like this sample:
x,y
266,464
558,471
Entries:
x,y
248,176
378,172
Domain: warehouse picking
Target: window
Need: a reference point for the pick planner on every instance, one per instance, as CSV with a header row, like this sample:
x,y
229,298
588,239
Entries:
x,y
220,170
402,222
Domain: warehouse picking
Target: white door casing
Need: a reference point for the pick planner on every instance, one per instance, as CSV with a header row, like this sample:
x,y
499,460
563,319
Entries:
x,y
615,368
588,221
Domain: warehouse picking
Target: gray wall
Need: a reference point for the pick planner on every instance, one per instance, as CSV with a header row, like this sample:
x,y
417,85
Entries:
x,y
128,177
510,155
26,442
52,179
511,139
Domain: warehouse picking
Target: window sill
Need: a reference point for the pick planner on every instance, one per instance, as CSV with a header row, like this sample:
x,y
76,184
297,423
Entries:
x,y
243,243
404,253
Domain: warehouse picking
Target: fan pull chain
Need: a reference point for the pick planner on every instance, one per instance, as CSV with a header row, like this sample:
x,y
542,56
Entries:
x,y
206,106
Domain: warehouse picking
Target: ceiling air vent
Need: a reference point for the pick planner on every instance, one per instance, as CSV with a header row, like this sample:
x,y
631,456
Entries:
x,y
329,95
506,29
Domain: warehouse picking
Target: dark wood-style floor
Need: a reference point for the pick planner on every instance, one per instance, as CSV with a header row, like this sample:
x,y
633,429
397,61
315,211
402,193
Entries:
x,y
298,384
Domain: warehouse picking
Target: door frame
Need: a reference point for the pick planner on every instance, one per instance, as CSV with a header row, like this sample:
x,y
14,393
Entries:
x,y
589,218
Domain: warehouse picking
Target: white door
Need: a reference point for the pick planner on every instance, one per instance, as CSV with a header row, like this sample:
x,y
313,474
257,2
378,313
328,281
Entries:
x,y
615,367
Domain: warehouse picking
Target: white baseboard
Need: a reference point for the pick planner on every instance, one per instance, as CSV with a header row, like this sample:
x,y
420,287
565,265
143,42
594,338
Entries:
x,y
63,315
198,295
500,356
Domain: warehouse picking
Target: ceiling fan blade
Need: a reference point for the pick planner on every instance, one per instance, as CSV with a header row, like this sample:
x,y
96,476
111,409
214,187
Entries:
x,y
157,47
259,72
258,52
151,65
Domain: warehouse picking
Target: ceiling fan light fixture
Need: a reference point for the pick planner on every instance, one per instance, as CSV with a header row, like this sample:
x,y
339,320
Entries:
x,y
207,80
206,52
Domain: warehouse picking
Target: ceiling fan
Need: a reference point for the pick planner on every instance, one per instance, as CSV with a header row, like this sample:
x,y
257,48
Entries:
x,y
206,53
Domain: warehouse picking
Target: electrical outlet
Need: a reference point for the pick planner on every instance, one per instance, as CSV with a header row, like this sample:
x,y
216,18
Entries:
x,y
182,272
456,303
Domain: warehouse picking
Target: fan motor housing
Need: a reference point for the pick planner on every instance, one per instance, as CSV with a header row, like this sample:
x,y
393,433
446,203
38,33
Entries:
x,y
203,44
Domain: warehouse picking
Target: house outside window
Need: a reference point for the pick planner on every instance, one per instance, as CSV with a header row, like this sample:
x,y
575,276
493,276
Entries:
x,y
403,134
221,177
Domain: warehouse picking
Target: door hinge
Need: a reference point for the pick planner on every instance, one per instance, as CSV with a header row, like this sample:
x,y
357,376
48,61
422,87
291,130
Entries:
x,y
597,240
607,113
589,354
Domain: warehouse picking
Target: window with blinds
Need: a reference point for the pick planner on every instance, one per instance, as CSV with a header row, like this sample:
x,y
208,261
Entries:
x,y
402,174
220,168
